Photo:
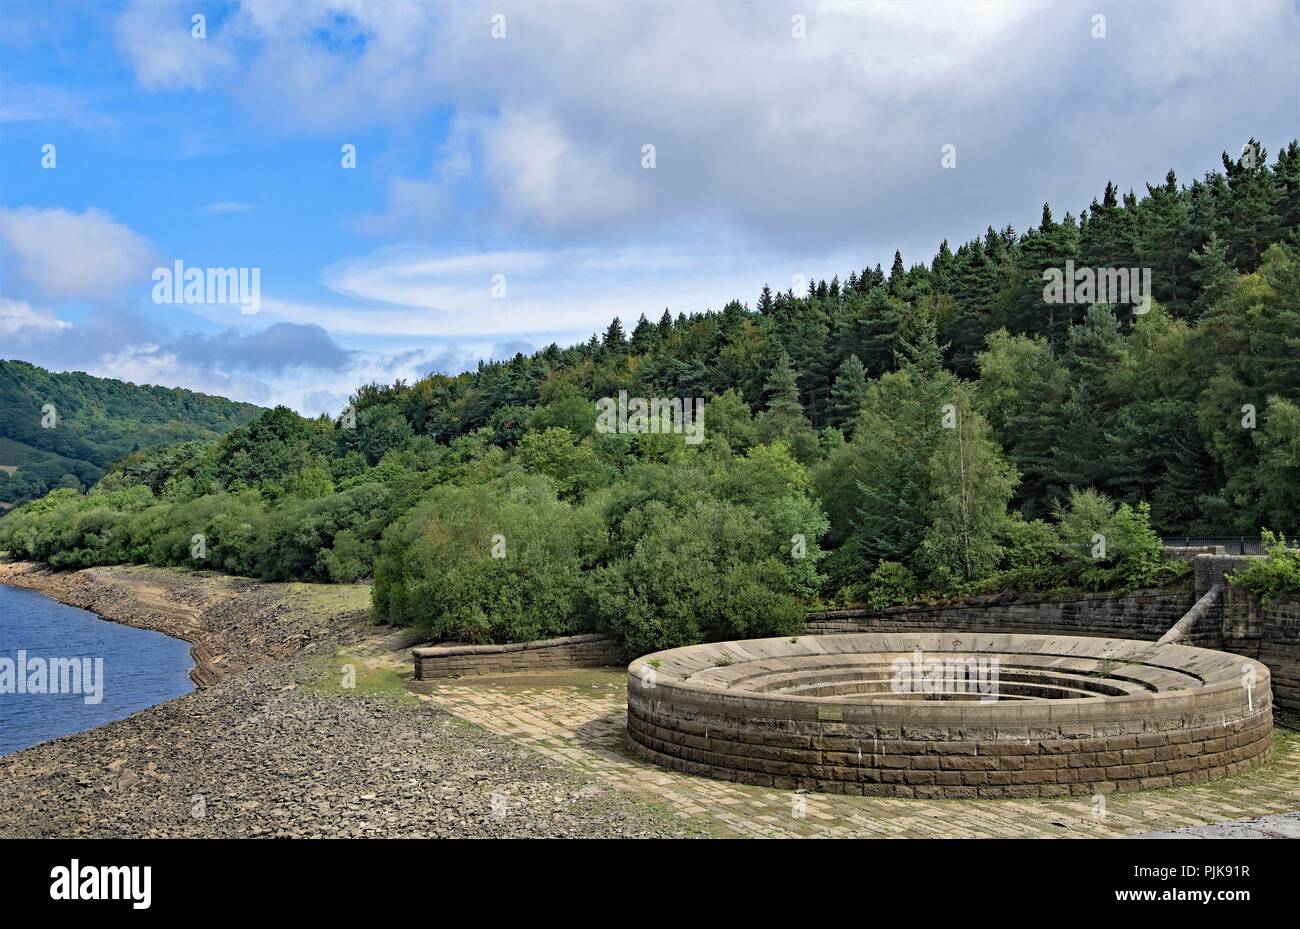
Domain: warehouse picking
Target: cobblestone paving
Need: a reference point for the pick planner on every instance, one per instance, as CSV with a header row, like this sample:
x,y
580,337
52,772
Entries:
x,y
579,718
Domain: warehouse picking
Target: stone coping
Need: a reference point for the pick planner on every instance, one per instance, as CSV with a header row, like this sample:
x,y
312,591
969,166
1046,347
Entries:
x,y
443,651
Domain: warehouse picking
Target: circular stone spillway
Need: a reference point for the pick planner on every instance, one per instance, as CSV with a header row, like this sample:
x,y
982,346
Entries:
x,y
953,715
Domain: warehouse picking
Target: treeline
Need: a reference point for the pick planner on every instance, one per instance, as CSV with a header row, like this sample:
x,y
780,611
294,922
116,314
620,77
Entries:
x,y
933,430
63,430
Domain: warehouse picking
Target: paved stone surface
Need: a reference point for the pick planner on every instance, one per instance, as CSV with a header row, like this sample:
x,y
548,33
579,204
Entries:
x,y
580,718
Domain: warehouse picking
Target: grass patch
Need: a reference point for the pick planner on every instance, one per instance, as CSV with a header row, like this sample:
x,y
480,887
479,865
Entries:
x,y
327,599
340,675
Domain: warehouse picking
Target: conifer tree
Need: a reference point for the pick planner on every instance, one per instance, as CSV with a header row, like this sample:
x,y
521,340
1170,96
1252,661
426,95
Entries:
x,y
1213,273
897,275
645,336
614,340
783,418
849,393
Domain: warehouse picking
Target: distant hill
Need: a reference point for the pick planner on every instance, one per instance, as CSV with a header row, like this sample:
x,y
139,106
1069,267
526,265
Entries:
x,y
95,421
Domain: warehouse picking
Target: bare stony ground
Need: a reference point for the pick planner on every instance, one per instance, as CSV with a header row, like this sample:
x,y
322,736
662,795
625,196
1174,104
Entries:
x,y
272,744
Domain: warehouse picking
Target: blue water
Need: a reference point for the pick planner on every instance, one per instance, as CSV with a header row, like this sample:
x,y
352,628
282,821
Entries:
x,y
140,669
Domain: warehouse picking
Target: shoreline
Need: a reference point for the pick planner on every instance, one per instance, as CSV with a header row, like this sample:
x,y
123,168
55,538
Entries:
x,y
44,580
269,744
231,623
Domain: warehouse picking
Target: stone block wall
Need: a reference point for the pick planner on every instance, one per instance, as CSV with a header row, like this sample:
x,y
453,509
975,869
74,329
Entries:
x,y
1208,570
1189,552
1268,634
1143,614
1237,623
574,651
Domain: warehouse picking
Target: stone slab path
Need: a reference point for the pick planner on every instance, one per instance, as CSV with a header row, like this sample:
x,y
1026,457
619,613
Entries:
x,y
579,718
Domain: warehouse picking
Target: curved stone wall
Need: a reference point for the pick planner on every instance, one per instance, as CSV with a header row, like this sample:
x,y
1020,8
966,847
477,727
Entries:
x,y
956,715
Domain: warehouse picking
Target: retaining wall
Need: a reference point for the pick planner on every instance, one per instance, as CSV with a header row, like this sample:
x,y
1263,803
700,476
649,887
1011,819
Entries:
x,y
574,651
1237,623
1269,634
1143,614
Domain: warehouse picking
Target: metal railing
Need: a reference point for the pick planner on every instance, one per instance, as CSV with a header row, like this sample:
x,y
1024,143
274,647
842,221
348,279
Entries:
x,y
1232,544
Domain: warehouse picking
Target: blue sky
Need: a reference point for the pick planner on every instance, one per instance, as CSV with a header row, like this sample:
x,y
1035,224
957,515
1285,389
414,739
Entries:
x,y
521,156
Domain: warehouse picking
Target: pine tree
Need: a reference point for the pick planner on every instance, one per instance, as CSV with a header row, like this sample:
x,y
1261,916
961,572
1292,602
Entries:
x,y
943,268
783,419
1213,273
781,391
1253,209
897,275
614,340
645,336
873,330
1164,243
1287,175
849,393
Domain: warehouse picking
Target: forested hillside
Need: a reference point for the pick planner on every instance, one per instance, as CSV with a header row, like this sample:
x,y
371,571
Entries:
x,y
63,430
936,428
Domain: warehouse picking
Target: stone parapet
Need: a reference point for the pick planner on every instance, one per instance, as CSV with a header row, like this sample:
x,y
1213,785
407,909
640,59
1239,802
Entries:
x,y
574,651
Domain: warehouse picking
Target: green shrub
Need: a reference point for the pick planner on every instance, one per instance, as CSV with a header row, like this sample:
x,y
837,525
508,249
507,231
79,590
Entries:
x,y
891,584
1105,548
706,572
487,563
1277,572
1029,543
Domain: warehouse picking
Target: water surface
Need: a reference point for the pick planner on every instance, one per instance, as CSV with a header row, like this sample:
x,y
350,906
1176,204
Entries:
x,y
140,669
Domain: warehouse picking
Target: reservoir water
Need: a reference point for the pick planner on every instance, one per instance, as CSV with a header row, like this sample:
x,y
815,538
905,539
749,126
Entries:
x,y
64,670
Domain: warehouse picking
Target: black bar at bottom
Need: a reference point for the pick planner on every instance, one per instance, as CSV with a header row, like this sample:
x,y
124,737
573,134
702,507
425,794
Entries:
x,y
218,878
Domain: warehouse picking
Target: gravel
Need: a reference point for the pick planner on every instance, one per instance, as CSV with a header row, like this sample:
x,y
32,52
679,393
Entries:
x,y
262,751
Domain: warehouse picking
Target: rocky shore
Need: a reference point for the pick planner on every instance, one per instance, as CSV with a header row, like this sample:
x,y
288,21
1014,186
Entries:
x,y
263,749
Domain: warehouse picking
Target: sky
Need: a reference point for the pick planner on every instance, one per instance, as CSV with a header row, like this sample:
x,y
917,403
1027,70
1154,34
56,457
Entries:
x,y
504,196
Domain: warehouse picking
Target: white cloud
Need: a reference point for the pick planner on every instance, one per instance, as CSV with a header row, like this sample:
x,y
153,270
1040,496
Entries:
x,y
542,176
548,294
155,37
19,317
803,144
66,255
37,103
307,390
